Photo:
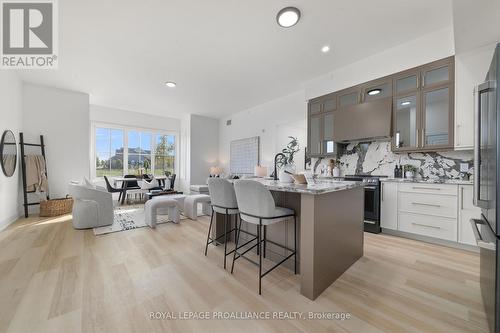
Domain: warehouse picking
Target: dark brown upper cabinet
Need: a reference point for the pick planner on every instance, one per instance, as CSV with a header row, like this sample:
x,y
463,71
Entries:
x,y
406,122
325,103
315,106
377,89
407,81
423,108
349,97
320,126
438,73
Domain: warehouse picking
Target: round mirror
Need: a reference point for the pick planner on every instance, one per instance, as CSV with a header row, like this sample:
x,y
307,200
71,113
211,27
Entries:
x,y
8,153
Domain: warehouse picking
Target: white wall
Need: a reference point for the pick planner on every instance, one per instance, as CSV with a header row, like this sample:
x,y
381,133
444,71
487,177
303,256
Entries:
x,y
62,117
10,119
297,129
268,121
470,70
115,116
476,23
204,143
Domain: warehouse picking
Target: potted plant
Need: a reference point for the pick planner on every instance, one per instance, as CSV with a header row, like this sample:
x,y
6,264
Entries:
x,y
286,163
410,171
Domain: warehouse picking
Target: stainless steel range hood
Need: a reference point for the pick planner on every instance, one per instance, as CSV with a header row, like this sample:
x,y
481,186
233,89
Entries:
x,y
362,122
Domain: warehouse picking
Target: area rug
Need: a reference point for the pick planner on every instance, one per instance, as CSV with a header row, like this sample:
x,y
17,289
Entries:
x,y
128,218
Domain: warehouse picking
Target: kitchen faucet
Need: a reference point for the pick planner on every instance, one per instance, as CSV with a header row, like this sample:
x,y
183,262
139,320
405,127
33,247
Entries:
x,y
275,158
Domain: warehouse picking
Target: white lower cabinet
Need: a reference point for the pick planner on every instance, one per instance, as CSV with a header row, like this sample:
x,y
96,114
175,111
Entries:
x,y
433,210
430,226
467,211
389,205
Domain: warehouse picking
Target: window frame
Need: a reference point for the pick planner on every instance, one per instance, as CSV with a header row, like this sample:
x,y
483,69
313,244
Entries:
x,y
126,130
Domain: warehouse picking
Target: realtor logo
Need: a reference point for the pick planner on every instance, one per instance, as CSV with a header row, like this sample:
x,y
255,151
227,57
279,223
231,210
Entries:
x,y
29,34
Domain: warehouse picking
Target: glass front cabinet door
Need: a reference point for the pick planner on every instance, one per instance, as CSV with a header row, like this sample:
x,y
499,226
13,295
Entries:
x,y
315,134
320,126
406,122
438,105
438,118
328,145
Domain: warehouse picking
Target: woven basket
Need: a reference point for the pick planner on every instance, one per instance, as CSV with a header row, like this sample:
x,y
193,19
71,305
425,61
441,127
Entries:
x,y
56,207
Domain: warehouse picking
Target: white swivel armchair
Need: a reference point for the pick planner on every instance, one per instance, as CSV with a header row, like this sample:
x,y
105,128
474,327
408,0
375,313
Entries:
x,y
91,208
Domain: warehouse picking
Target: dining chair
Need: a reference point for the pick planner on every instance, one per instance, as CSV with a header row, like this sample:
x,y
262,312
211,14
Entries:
x,y
112,189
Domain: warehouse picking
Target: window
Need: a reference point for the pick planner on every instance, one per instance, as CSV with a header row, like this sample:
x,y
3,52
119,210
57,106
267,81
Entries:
x,y
120,151
164,154
108,152
139,152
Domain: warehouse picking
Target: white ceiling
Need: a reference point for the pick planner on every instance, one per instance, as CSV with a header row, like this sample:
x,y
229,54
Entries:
x,y
225,55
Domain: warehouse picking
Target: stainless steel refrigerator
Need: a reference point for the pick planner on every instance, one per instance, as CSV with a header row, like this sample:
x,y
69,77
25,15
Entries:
x,y
486,187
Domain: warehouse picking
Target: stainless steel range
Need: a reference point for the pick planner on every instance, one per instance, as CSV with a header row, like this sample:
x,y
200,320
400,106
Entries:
x,y
372,200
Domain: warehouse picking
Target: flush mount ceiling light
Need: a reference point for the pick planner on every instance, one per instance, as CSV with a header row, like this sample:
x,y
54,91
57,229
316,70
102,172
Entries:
x,y
374,92
325,49
170,84
405,103
288,17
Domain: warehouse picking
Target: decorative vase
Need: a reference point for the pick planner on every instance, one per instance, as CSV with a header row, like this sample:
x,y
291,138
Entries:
x,y
409,174
284,176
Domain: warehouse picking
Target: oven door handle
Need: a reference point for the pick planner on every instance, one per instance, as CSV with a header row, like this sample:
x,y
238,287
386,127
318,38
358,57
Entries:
x,y
371,187
479,240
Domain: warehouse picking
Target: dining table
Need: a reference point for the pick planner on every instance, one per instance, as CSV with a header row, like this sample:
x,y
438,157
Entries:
x,y
125,180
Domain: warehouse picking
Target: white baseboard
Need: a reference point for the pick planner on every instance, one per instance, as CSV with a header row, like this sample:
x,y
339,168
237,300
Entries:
x,y
430,240
8,221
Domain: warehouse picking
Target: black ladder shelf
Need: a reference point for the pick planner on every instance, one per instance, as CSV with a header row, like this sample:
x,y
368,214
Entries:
x,y
23,144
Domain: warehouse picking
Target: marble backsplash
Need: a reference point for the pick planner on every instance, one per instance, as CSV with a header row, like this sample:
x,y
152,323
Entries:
x,y
376,158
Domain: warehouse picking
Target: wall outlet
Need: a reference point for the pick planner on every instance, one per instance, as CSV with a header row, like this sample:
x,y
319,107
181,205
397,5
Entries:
x,y
464,167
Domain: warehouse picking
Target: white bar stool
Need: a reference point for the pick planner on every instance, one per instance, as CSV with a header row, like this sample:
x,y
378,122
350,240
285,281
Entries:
x,y
223,201
257,206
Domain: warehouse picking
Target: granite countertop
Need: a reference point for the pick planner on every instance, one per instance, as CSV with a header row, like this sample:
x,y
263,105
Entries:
x,y
318,188
429,181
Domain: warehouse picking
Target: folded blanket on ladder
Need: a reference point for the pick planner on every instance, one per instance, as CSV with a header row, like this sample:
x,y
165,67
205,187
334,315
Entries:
x,y
36,177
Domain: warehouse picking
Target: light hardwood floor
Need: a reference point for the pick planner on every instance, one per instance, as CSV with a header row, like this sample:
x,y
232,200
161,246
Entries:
x,y
56,279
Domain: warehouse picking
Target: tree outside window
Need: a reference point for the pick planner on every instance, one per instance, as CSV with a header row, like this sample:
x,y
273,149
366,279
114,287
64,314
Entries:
x,y
164,154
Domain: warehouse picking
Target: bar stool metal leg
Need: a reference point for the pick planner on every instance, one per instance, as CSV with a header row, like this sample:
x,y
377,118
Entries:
x,y
265,241
209,230
225,238
295,241
258,247
260,255
238,232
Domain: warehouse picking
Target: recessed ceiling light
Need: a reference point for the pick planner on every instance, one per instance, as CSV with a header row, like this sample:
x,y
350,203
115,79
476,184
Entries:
x,y
374,92
288,17
405,103
170,84
325,49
